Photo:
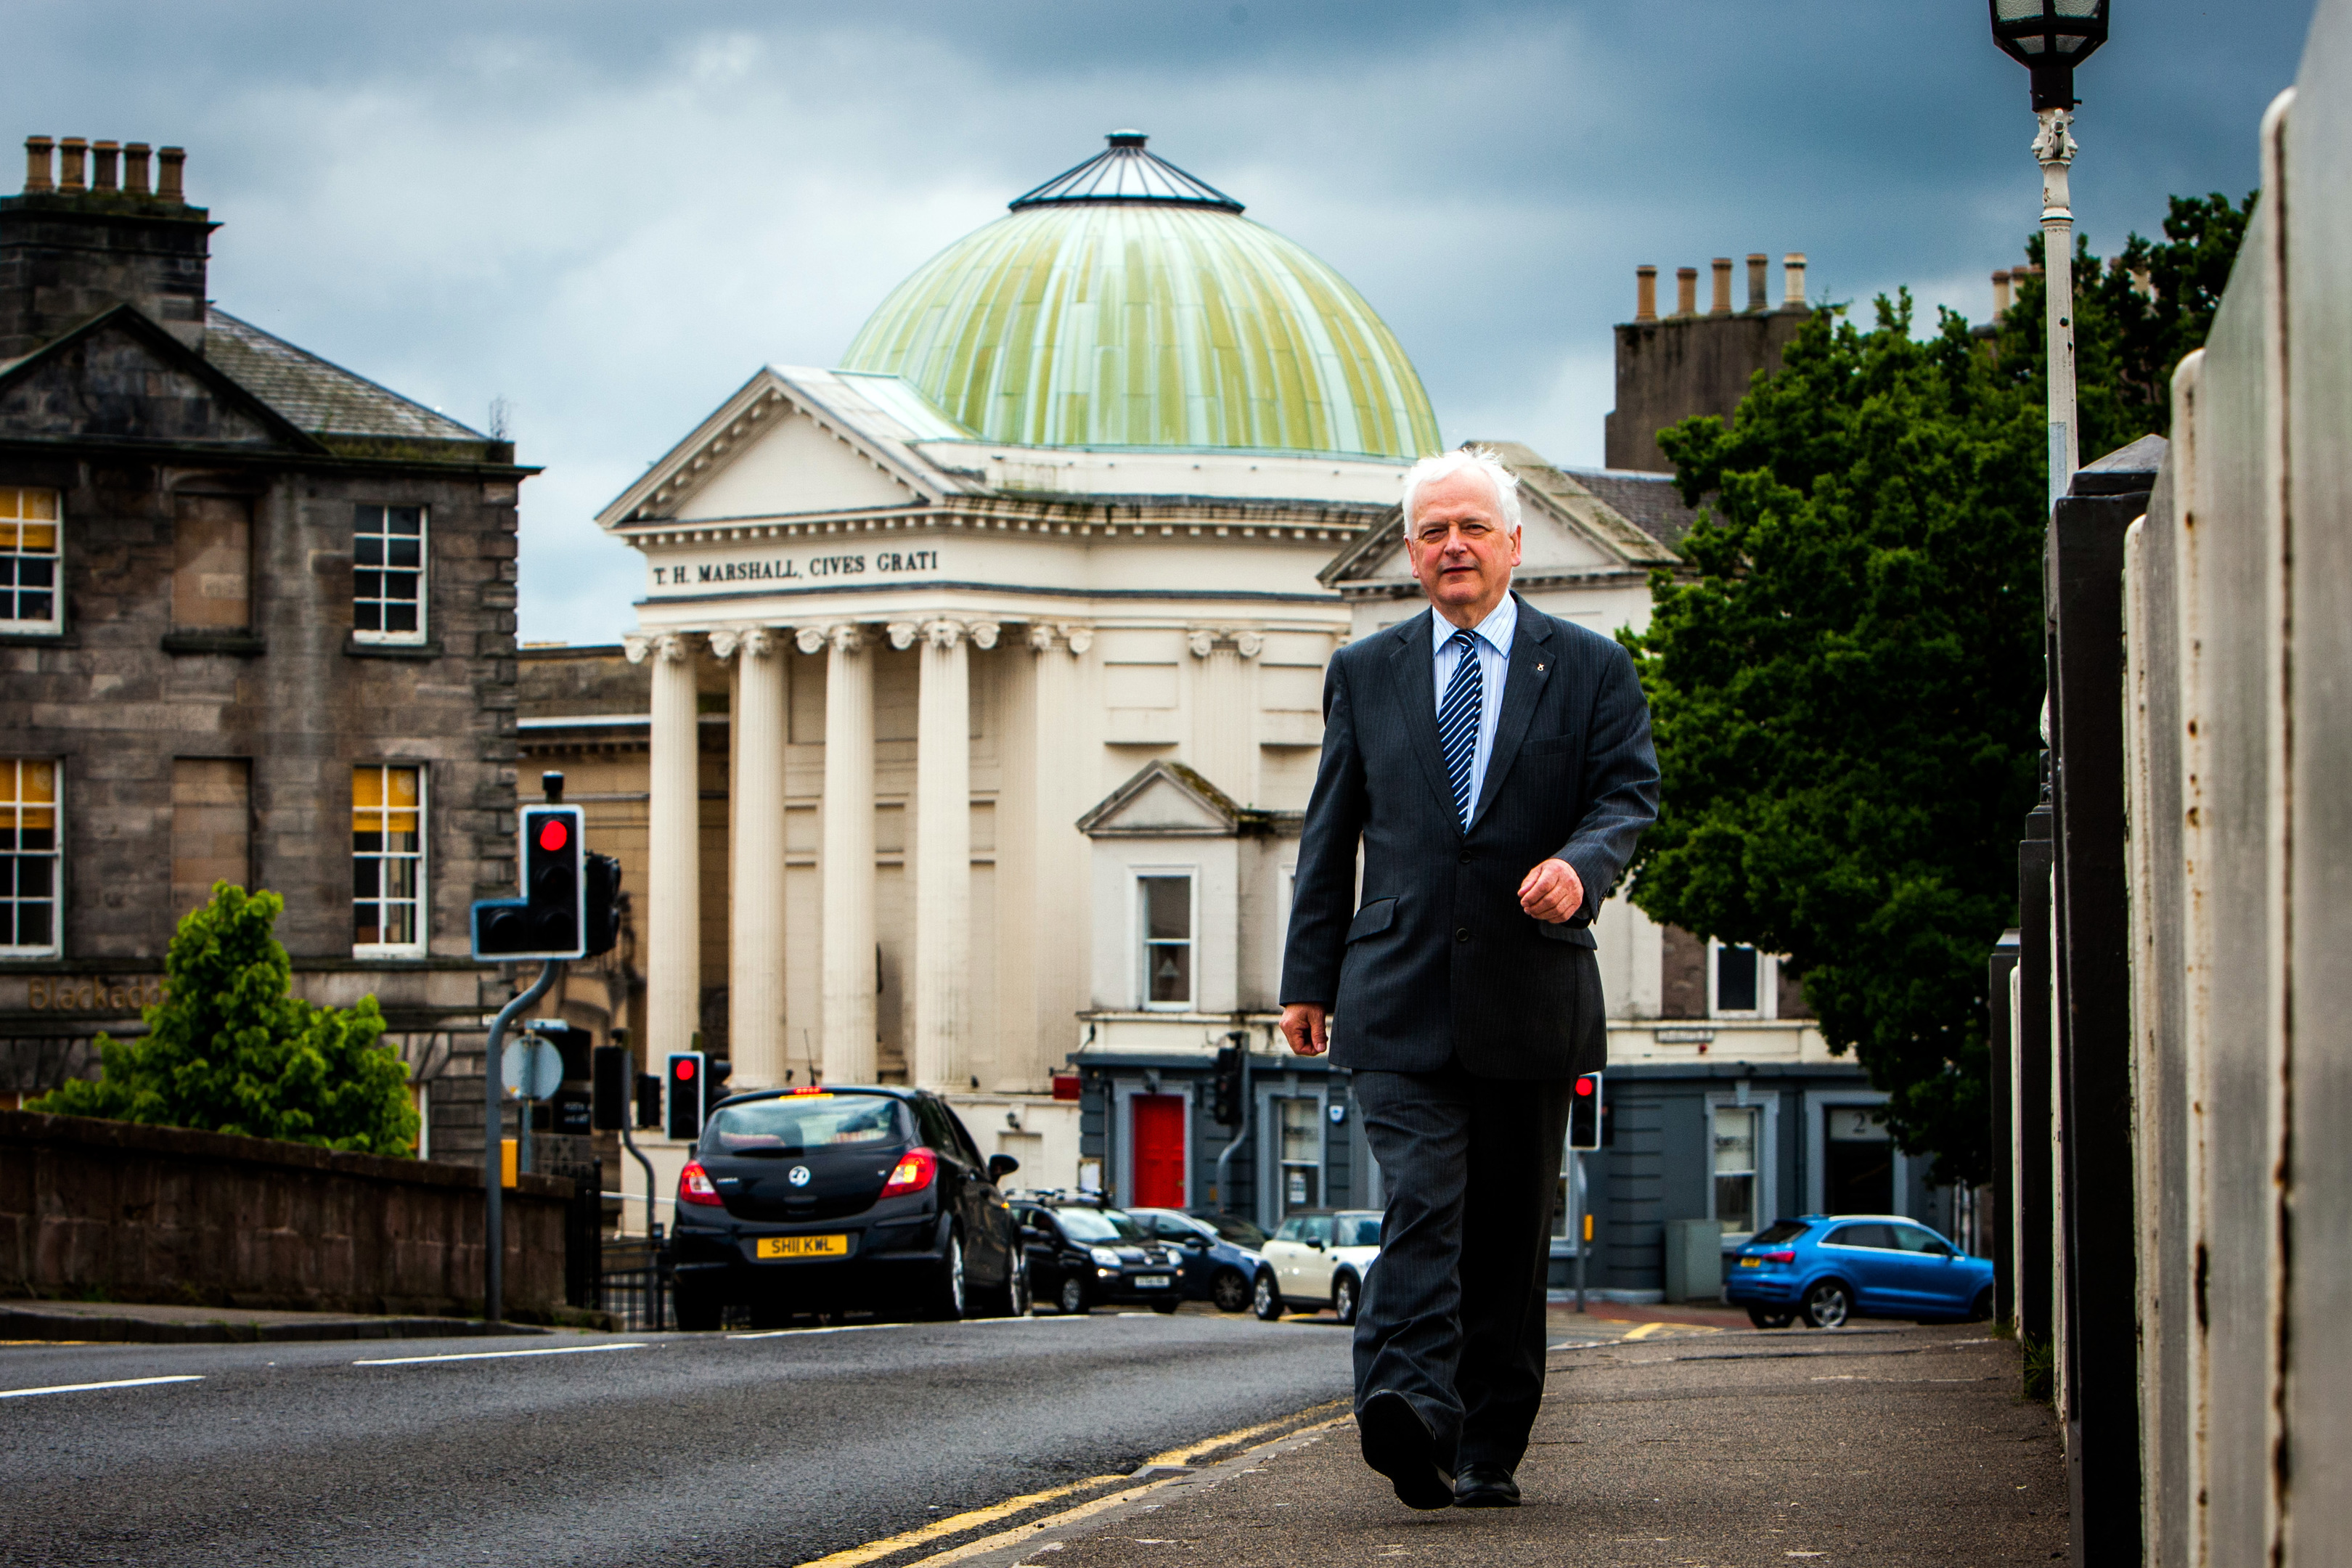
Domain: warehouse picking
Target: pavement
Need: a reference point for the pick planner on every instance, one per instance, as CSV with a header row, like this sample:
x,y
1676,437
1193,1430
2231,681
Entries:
x,y
74,1323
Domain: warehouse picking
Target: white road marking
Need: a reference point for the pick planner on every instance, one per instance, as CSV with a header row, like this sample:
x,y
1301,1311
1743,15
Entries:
x,y
827,1328
85,1388
496,1355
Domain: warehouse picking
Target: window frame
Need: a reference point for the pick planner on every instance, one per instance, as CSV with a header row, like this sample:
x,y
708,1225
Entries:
x,y
54,625
1142,944
1767,1107
1767,982
424,570
422,946
55,947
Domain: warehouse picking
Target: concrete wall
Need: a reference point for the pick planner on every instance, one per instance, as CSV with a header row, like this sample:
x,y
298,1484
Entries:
x,y
162,1213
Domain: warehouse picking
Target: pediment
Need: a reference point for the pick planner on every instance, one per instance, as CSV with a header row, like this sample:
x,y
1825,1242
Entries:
x,y
120,377
1165,800
791,465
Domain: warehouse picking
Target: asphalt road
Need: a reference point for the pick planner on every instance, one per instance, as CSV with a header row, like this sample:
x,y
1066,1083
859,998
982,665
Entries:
x,y
679,1449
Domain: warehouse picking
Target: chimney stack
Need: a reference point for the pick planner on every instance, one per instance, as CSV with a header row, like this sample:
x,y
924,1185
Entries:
x,y
1756,264
95,237
2001,294
1685,290
1722,302
1645,293
1794,265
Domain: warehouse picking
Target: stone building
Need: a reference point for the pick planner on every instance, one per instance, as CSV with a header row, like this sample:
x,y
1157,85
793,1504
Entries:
x,y
256,624
975,701
1693,361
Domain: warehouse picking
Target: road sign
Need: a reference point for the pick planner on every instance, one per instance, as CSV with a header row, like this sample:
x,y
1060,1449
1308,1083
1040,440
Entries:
x,y
532,1068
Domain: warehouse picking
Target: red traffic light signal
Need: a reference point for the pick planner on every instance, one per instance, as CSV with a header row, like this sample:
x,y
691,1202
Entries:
x,y
685,1066
554,834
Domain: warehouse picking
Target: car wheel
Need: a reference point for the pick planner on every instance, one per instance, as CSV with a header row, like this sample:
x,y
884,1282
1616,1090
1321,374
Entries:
x,y
1764,1318
1980,1309
1264,1300
1073,1300
946,1292
1829,1304
1344,1291
1230,1291
698,1311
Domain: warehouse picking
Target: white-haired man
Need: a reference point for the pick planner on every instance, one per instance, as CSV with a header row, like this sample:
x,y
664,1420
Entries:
x,y
1494,765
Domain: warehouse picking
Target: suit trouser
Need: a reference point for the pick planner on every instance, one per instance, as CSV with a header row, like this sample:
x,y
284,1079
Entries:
x,y
1453,1314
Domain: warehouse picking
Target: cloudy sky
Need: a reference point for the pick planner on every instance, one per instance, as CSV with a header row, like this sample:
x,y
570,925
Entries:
x,y
609,214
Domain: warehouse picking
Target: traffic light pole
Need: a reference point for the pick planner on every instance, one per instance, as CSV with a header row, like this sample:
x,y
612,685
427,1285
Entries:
x,y
1583,1227
494,1254
1241,1128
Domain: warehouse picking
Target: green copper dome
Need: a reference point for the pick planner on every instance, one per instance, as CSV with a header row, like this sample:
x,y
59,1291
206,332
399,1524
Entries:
x,y
1125,303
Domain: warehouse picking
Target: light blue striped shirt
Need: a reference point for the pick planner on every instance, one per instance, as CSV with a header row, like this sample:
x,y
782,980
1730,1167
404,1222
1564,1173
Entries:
x,y
1493,640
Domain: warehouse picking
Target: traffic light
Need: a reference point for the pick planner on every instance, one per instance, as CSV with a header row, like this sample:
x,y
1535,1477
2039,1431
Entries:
x,y
686,1079
649,1102
603,900
550,920
610,1089
1584,1113
1226,1088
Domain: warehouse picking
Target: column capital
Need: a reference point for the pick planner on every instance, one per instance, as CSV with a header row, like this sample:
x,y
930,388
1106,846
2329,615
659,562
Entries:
x,y
753,642
1076,636
902,633
1247,641
1202,640
944,635
983,634
670,648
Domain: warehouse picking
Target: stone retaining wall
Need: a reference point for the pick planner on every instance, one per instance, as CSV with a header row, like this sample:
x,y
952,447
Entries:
x,y
117,1212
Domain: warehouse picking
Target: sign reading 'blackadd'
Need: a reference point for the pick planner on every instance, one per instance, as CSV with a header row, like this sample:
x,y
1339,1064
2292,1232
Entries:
x,y
795,570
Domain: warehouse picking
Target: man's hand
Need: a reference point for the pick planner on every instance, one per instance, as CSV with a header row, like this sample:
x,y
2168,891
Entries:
x,y
1552,893
1303,1025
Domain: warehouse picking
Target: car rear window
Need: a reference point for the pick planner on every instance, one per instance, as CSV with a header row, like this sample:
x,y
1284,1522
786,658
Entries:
x,y
797,1123
1358,1230
1239,1231
1781,1230
1099,1225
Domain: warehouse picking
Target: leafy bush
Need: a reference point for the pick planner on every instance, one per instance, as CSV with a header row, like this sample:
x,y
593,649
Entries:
x,y
231,1049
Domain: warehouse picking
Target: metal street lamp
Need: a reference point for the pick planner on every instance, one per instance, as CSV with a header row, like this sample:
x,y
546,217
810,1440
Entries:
x,y
2050,39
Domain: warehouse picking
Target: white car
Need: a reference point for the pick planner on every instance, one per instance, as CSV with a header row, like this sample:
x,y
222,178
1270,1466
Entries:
x,y
1315,1259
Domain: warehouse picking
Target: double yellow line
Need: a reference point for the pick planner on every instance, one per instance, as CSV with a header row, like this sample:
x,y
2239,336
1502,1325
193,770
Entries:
x,y
939,1529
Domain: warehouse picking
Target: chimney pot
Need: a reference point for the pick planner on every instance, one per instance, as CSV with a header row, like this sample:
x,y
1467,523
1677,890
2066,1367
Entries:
x,y
1793,268
1645,293
1721,305
38,182
2001,294
71,180
1756,262
169,163
1685,290
134,167
103,167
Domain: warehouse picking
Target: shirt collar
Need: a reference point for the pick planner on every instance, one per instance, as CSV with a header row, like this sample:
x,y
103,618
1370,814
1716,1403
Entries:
x,y
1502,623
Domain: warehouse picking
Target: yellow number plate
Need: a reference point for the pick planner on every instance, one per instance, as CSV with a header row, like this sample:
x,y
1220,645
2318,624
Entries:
x,y
1751,1263
805,1246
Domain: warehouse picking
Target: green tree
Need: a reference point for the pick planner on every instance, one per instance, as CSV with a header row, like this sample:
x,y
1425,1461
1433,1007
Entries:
x,y
231,1049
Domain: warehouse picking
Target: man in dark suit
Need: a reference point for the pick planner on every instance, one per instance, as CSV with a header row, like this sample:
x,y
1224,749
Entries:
x,y
1495,764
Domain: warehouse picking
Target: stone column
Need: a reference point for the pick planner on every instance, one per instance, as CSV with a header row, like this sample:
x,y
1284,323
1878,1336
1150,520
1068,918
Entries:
x,y
846,861
1225,720
673,931
943,854
755,966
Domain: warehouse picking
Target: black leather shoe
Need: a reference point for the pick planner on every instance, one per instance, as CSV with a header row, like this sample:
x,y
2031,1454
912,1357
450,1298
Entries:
x,y
1398,1444
1482,1484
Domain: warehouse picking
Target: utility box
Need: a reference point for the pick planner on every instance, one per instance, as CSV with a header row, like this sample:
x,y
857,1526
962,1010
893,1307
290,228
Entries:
x,y
1694,1260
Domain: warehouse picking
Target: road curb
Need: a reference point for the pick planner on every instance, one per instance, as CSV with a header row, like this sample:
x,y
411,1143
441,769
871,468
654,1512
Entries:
x,y
16,1323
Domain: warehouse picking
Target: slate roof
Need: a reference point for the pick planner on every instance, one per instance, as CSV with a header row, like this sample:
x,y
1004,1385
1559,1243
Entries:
x,y
317,395
1648,501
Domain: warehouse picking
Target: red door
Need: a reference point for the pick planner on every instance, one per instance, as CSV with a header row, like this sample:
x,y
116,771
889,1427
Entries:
x,y
1159,1150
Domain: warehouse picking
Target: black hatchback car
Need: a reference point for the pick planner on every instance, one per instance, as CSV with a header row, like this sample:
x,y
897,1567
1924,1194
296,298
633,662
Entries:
x,y
1082,1255
824,1199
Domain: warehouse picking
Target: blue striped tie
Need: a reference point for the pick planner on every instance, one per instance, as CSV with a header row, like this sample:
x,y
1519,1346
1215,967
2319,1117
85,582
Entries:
x,y
1457,722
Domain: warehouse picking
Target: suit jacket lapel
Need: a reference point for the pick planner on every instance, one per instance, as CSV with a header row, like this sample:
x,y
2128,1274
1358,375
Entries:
x,y
1531,665
1415,685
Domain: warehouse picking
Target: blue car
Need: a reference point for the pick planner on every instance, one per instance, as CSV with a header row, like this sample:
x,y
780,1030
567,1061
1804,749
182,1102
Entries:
x,y
1222,1262
1826,1268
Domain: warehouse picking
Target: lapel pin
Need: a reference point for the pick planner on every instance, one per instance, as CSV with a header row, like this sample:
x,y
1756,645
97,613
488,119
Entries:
x,y
1539,669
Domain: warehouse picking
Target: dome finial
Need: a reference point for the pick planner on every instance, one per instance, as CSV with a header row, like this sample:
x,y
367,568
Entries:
x,y
1127,139
1125,171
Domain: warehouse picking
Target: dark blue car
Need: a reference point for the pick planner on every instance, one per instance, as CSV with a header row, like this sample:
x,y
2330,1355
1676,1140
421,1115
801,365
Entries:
x,y
1222,1262
1826,1268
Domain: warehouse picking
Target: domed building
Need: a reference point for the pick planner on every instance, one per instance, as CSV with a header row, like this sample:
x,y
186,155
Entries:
x,y
976,694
